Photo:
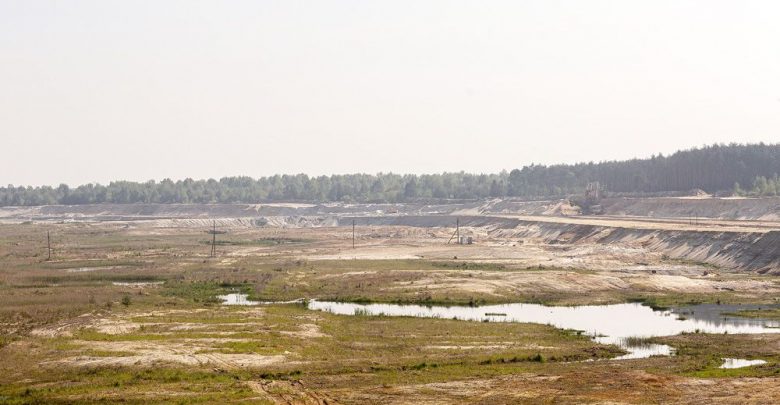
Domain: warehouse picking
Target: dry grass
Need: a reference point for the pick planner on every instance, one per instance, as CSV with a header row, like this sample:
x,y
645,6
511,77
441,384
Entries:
x,y
345,359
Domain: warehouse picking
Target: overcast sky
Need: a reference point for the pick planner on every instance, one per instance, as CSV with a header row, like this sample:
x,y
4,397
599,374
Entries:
x,y
94,91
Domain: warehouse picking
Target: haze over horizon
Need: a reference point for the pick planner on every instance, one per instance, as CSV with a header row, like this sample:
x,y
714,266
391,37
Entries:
x,y
176,179
96,91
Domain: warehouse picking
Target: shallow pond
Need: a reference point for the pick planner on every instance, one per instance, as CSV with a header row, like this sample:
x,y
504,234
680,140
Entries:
x,y
137,283
242,299
739,363
618,324
236,299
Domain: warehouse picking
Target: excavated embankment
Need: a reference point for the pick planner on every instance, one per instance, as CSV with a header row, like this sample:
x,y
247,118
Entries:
x,y
744,250
753,251
763,209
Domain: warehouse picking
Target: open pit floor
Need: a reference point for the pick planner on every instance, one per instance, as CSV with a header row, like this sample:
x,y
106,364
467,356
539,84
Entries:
x,y
127,310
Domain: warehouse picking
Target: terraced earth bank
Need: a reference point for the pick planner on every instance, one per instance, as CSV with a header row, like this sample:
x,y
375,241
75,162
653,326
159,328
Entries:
x,y
735,233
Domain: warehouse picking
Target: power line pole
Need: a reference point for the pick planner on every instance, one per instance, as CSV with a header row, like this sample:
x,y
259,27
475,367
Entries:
x,y
456,233
48,245
214,233
214,240
353,234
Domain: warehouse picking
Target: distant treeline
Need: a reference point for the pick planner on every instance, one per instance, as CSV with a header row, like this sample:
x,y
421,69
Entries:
x,y
746,169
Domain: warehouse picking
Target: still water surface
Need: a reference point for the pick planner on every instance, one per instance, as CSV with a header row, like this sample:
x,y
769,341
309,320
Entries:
x,y
739,363
237,299
607,324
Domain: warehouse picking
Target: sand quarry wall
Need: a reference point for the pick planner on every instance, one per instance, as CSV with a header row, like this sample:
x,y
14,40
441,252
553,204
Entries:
x,y
753,251
763,209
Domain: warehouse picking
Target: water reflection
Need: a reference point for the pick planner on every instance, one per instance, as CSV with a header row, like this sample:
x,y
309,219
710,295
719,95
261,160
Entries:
x,y
236,299
739,363
242,299
617,324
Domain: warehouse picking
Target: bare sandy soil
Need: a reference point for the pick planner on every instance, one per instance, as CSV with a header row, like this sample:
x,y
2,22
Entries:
x,y
688,224
579,268
64,320
602,384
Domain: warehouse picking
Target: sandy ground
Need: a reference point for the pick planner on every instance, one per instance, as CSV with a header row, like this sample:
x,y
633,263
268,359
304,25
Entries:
x,y
520,266
611,385
613,267
522,255
144,354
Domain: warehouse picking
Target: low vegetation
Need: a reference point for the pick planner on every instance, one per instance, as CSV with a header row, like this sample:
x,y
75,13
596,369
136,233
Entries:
x,y
141,322
768,313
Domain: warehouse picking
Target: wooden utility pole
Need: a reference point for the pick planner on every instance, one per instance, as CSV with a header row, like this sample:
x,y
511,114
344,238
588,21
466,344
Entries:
x,y
48,245
353,234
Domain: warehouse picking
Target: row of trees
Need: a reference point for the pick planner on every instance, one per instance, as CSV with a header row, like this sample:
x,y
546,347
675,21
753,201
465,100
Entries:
x,y
762,187
711,168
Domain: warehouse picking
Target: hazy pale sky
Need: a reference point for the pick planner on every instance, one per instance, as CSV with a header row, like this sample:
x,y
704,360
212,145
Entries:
x,y
93,91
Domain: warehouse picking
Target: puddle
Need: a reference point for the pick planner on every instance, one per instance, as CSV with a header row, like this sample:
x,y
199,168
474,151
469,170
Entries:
x,y
640,350
617,324
236,299
241,299
82,269
88,269
739,363
138,283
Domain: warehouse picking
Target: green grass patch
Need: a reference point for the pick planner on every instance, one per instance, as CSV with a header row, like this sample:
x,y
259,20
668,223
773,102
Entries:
x,y
77,264
91,278
665,301
204,292
256,346
772,313
168,385
635,341
462,265
711,369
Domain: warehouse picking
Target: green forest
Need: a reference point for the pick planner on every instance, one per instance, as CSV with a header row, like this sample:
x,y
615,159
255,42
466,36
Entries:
x,y
750,169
